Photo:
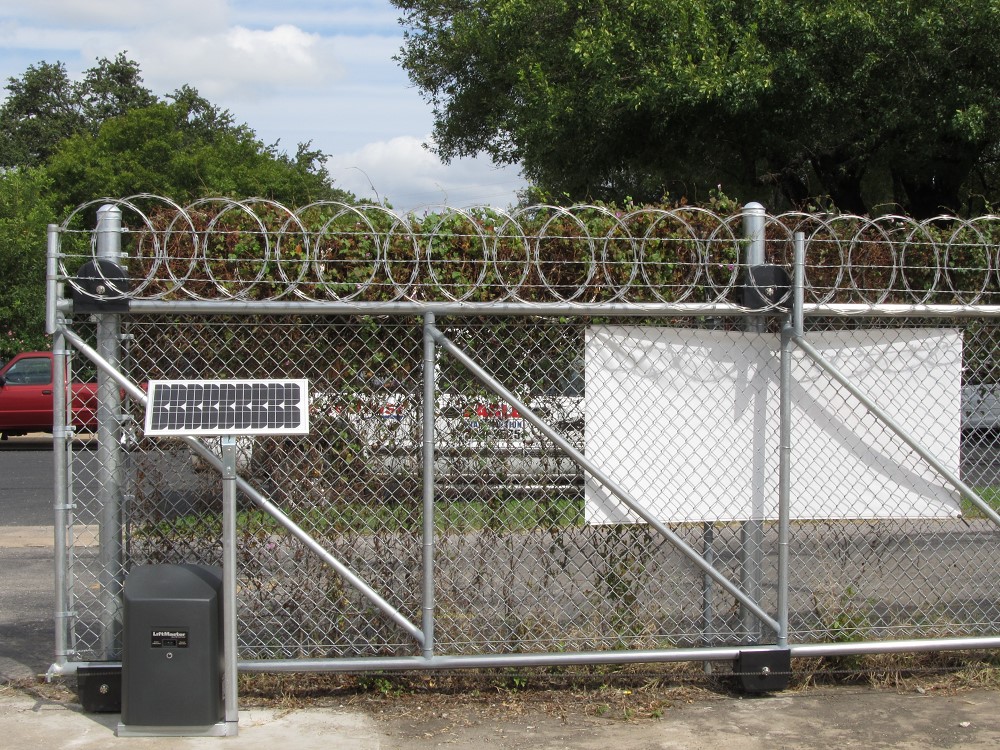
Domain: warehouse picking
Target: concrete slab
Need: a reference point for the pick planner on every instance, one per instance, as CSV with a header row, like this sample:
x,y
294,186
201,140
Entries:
x,y
818,718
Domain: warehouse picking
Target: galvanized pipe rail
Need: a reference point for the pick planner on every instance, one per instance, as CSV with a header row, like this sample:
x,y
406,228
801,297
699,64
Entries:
x,y
544,309
792,336
266,505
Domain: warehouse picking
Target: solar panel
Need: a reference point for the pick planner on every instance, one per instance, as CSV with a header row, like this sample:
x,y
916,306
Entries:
x,y
227,407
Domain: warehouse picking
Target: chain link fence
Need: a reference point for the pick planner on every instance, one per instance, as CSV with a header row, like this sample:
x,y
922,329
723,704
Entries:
x,y
531,552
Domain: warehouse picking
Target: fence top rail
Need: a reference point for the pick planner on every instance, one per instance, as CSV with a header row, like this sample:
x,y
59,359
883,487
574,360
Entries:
x,y
258,252
542,309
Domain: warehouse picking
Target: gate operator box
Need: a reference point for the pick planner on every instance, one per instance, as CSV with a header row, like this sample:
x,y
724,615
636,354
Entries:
x,y
172,656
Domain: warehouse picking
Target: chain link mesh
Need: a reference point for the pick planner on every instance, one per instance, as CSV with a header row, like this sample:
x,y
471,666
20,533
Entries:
x,y
517,568
522,561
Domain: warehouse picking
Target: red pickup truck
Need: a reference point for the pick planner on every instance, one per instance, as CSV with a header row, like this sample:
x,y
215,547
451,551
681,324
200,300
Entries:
x,y
26,397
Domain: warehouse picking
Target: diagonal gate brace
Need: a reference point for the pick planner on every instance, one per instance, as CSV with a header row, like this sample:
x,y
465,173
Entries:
x,y
617,490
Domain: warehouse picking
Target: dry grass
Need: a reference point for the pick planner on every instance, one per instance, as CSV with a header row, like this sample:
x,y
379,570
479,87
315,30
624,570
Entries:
x,y
624,693
620,692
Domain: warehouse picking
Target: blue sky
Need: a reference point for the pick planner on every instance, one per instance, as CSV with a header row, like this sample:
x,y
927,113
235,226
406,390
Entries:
x,y
295,71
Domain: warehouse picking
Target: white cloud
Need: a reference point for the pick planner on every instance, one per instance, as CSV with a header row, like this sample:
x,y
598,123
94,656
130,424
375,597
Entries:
x,y
410,176
240,63
118,14
360,16
206,16
296,71
230,63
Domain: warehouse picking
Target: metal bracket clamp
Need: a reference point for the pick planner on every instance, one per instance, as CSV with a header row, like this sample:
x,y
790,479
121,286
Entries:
x,y
764,671
101,286
766,288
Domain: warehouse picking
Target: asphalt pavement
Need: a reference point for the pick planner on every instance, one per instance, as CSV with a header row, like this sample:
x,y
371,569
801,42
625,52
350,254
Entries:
x,y
26,539
34,715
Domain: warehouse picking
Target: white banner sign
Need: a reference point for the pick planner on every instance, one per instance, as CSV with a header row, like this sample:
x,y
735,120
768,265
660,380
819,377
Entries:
x,y
687,422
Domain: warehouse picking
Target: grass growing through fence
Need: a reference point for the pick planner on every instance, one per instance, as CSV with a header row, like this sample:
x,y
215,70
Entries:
x,y
503,514
621,692
990,495
624,693
508,513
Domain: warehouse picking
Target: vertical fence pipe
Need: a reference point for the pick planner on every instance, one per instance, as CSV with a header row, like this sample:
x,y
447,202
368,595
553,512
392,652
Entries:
x,y
784,478
60,454
109,407
707,597
754,216
799,283
792,326
229,635
429,397
752,530
52,279
60,502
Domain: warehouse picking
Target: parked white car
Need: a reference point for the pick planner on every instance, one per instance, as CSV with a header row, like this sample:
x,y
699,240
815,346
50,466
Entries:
x,y
981,407
478,437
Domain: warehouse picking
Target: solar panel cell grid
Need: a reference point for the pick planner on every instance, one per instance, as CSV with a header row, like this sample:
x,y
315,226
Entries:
x,y
227,407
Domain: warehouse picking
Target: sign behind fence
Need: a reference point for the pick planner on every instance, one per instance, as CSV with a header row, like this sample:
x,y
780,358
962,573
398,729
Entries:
x,y
687,421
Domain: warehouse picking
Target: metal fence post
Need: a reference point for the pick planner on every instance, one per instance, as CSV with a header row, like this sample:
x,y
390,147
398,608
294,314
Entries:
x,y
60,501
707,594
752,532
60,453
109,464
230,641
428,480
793,326
52,280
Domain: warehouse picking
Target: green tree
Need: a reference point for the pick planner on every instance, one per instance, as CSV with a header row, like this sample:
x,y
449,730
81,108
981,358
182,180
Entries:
x,y
176,150
44,107
112,88
69,142
781,100
25,211
886,101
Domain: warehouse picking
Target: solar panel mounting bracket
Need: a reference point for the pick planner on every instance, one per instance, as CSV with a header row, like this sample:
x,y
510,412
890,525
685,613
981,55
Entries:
x,y
227,409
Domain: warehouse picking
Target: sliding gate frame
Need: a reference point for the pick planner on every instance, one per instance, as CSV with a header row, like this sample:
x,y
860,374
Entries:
x,y
793,337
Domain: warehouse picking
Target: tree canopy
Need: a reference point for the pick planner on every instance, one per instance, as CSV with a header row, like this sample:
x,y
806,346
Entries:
x,y
67,142
107,134
44,107
25,210
785,101
184,149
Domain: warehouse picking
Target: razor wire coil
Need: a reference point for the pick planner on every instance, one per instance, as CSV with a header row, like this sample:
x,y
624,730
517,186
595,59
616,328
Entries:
x,y
260,250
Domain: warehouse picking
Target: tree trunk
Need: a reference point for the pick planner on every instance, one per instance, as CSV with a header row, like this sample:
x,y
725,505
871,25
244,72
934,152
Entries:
x,y
841,178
